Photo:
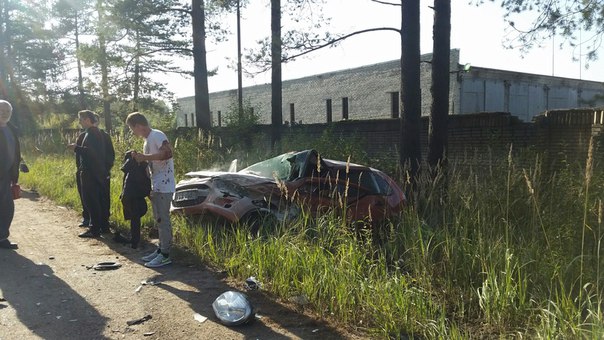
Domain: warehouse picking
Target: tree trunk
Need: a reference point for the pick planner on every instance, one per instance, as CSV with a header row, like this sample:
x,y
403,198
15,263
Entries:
x,y
276,82
9,84
439,114
137,77
104,67
81,95
239,68
200,67
105,83
437,132
3,49
410,106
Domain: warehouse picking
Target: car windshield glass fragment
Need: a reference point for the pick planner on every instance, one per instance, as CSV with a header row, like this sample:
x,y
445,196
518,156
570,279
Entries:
x,y
276,167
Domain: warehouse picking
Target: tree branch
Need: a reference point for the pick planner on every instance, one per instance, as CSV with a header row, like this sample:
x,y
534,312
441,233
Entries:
x,y
155,51
182,10
335,41
386,3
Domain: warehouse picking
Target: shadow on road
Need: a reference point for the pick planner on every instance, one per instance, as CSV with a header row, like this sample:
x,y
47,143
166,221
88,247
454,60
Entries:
x,y
31,195
204,286
295,323
45,304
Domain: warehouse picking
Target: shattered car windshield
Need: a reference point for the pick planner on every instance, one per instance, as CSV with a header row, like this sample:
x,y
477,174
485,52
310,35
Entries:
x,y
277,167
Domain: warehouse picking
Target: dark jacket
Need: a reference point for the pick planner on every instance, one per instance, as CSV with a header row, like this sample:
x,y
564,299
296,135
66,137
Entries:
x,y
13,170
109,150
91,154
136,186
79,142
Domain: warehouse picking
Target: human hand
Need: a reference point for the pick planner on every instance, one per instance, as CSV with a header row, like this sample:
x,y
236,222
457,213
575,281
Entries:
x,y
71,146
16,191
139,157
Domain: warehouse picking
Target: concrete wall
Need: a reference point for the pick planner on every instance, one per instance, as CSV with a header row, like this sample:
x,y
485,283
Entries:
x,y
369,90
525,95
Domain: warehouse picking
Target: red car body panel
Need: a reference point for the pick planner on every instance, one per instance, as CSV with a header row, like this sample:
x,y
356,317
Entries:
x,y
283,185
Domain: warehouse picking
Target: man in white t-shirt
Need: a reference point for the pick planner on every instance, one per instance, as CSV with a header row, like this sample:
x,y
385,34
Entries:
x,y
158,152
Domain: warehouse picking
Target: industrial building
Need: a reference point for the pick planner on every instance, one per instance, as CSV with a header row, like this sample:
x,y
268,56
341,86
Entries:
x,y
372,92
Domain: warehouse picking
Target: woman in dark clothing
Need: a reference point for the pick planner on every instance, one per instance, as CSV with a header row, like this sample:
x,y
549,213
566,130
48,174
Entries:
x,y
136,186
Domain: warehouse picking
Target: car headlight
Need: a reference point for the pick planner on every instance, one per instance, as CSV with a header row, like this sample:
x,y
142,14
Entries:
x,y
233,308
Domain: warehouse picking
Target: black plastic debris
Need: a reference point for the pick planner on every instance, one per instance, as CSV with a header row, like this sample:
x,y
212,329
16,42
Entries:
x,y
106,266
140,320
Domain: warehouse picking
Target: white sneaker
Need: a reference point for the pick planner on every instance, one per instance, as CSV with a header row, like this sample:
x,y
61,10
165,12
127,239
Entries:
x,y
151,256
158,261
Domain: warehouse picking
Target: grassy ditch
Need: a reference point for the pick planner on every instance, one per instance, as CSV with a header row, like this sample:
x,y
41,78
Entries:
x,y
513,251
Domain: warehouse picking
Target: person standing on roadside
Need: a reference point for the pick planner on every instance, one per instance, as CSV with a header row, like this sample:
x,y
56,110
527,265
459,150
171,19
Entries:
x,y
106,193
158,153
85,215
92,171
10,154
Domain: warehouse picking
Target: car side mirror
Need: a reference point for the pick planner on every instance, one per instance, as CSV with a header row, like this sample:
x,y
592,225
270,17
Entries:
x,y
23,167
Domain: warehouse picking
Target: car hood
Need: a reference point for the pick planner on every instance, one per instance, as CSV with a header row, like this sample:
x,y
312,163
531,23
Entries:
x,y
247,181
206,173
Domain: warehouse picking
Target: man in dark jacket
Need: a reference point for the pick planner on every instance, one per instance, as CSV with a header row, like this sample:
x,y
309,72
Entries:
x,y
92,170
106,193
85,215
10,154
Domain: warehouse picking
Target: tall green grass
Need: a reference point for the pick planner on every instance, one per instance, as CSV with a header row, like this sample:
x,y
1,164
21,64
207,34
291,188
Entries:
x,y
515,253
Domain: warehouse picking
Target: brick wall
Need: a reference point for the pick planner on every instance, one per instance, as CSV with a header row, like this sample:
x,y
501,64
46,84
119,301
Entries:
x,y
476,139
560,136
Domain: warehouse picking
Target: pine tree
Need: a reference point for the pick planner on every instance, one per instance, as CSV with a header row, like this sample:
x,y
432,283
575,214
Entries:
x,y
29,57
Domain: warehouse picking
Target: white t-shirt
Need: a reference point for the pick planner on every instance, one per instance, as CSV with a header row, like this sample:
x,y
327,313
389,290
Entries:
x,y
162,172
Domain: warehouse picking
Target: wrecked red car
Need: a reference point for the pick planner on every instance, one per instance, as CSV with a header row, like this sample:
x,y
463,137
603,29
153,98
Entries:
x,y
280,187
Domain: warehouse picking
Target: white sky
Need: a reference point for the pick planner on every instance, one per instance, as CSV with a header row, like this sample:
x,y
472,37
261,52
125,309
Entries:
x,y
478,32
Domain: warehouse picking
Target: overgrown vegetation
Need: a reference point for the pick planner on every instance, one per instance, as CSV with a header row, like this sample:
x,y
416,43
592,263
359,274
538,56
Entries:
x,y
514,254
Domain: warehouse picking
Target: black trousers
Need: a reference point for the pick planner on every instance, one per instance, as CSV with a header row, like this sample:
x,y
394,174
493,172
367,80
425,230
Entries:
x,y
85,214
92,193
7,207
135,231
105,203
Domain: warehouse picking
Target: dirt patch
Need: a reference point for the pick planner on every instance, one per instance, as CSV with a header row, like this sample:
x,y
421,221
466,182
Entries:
x,y
49,290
